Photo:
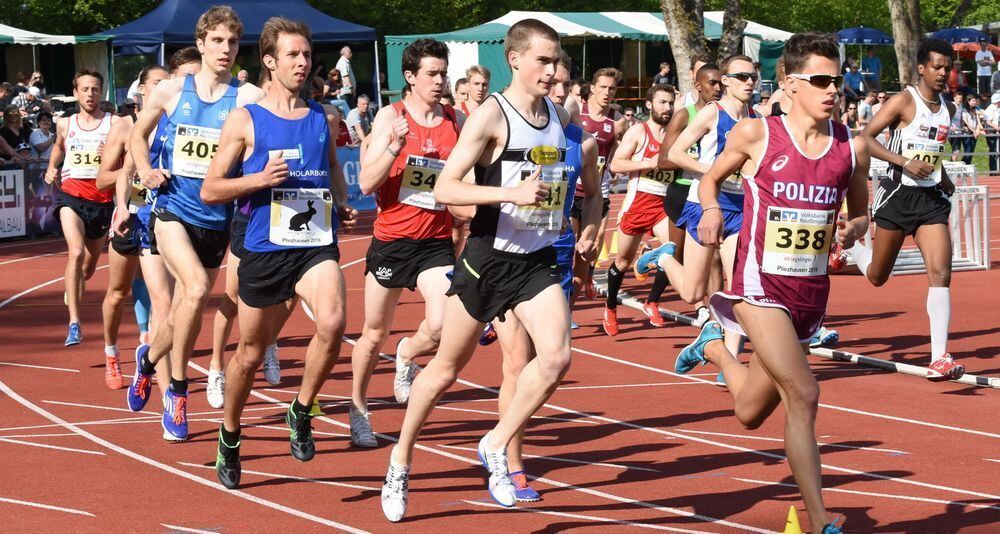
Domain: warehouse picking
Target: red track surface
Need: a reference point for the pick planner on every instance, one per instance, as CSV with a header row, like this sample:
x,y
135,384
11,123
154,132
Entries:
x,y
662,451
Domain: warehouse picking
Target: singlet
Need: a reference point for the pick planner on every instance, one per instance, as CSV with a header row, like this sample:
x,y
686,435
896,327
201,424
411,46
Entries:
x,y
712,144
524,229
791,208
574,166
465,109
924,139
79,172
300,212
193,131
776,110
604,132
406,206
694,150
646,189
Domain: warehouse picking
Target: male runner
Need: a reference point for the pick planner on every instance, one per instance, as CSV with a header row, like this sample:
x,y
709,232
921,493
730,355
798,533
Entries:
x,y
517,145
461,92
287,167
412,245
198,234
915,199
478,78
87,214
694,95
797,171
642,212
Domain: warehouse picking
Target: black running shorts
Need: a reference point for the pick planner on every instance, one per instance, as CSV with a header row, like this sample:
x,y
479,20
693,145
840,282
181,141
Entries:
x,y
398,263
210,245
131,243
576,212
239,230
96,216
906,208
673,201
269,278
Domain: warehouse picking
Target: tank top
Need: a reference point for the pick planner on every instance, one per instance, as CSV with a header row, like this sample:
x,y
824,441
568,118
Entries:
x,y
694,150
604,132
192,139
792,203
712,144
646,189
79,172
574,165
923,139
465,109
406,205
300,212
524,229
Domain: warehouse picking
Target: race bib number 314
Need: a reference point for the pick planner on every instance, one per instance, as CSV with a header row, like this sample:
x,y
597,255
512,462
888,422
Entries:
x,y
797,241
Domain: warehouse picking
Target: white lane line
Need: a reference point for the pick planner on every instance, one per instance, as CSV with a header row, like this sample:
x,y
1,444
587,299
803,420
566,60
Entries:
x,y
46,506
353,239
780,440
97,407
873,494
292,477
39,286
38,435
170,469
35,242
829,406
186,529
343,398
46,446
355,262
616,386
991,460
40,367
32,257
495,414
568,460
584,517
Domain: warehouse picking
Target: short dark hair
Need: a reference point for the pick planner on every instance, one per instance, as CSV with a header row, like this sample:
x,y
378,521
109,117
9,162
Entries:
x,y
518,37
144,74
737,57
802,45
42,115
656,88
87,72
420,49
566,61
929,46
706,68
188,54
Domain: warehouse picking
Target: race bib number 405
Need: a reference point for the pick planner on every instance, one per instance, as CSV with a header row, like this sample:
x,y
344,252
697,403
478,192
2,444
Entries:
x,y
797,241
301,217
194,148
417,185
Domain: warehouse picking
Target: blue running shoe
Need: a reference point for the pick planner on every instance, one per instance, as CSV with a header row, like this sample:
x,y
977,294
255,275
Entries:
x,y
641,268
694,353
522,490
720,380
489,335
74,336
835,526
138,392
824,337
174,421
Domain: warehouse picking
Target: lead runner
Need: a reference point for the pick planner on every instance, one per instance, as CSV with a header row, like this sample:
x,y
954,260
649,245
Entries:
x,y
797,170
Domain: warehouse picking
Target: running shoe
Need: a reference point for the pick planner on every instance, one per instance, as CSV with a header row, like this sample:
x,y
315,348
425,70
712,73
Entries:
x,y
945,368
500,486
702,317
394,492
227,464
216,389
720,379
650,261
824,337
138,392
361,430
693,354
652,310
174,420
74,336
589,289
489,335
523,491
113,372
838,257
272,366
610,322
405,371
144,338
835,526
302,445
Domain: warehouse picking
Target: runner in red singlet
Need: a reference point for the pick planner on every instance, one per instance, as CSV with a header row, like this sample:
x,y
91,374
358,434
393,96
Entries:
x,y
477,78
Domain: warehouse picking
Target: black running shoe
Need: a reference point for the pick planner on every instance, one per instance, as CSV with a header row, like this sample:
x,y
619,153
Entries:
x,y
303,446
227,464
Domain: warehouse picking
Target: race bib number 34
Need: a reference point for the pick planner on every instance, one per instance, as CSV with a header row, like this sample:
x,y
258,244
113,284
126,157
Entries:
x,y
301,217
194,148
797,241
417,185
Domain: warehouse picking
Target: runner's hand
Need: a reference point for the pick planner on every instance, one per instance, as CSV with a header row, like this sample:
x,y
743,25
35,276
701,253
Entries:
x,y
917,168
119,221
847,234
399,130
155,178
947,186
710,228
587,249
348,215
274,173
52,175
532,191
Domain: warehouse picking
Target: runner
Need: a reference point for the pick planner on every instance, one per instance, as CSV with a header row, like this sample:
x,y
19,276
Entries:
x,y
642,212
130,235
461,92
516,144
694,95
198,234
87,217
412,244
478,88
915,199
797,172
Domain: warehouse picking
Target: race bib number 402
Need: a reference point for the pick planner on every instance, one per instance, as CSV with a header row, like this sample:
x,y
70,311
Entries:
x,y
655,181
417,185
797,241
194,148
301,217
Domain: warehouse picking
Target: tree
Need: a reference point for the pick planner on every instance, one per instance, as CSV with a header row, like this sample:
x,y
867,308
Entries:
x,y
732,31
686,28
906,30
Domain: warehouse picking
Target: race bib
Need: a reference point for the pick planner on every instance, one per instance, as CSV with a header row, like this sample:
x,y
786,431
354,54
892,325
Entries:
x,y
301,217
601,160
194,148
694,151
417,186
797,241
548,214
655,182
930,152
82,157
733,184
137,194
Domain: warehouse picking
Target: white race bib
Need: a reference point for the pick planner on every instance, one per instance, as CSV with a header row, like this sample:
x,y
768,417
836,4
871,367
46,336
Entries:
x,y
82,158
194,148
548,214
417,185
655,181
301,217
137,194
797,241
931,152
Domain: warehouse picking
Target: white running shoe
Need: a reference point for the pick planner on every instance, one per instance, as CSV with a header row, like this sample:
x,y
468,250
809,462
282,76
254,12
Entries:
x,y
405,371
216,390
394,492
361,430
272,367
703,317
500,487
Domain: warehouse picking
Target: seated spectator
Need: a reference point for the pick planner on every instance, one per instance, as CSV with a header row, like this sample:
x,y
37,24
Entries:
x,y
629,115
29,102
359,120
42,137
14,130
865,108
127,108
38,81
850,117
243,76
331,92
23,78
6,94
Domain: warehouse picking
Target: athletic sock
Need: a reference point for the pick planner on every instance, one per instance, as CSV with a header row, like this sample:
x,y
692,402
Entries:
x,y
299,408
615,279
660,283
939,312
142,305
111,350
179,387
862,257
147,367
229,439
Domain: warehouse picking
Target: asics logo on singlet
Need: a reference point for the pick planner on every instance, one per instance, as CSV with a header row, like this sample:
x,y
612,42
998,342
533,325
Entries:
x,y
779,163
383,273
817,194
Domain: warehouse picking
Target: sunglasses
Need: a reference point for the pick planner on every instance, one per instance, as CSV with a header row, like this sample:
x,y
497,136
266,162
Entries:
x,y
744,76
819,80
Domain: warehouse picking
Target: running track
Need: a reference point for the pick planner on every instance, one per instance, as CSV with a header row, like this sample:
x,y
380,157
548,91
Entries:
x,y
624,443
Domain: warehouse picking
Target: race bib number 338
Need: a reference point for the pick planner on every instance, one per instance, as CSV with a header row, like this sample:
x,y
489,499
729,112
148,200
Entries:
x,y
797,241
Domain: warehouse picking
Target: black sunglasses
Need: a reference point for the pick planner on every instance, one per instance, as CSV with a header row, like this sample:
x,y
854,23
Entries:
x,y
819,80
744,76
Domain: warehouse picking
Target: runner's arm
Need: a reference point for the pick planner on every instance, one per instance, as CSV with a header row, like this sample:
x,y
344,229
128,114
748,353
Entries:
x,y
218,188
621,161
857,197
592,198
146,121
383,142
248,93
890,113
111,158
58,152
744,139
694,131
674,129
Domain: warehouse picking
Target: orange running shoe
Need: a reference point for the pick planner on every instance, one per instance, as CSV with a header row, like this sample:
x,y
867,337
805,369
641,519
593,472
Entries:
x,y
610,322
113,373
945,368
588,287
838,257
652,310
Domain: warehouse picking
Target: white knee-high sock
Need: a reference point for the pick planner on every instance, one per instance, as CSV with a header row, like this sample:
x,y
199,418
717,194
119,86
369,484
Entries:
x,y
939,312
862,257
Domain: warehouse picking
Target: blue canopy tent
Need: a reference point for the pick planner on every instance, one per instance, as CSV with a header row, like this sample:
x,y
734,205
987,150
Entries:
x,y
864,36
961,35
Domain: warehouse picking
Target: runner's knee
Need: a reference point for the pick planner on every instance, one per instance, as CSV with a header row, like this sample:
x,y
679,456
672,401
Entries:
x,y
554,364
75,255
330,326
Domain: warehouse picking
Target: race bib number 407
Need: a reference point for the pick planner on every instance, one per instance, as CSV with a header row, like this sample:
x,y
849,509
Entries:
x,y
930,152
797,241
194,148
301,217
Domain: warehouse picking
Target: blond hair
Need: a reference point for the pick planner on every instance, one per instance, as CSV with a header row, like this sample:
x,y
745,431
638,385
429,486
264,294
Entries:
x,y
477,69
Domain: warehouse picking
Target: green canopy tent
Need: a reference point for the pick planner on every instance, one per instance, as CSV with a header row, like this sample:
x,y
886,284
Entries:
x,y
20,52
